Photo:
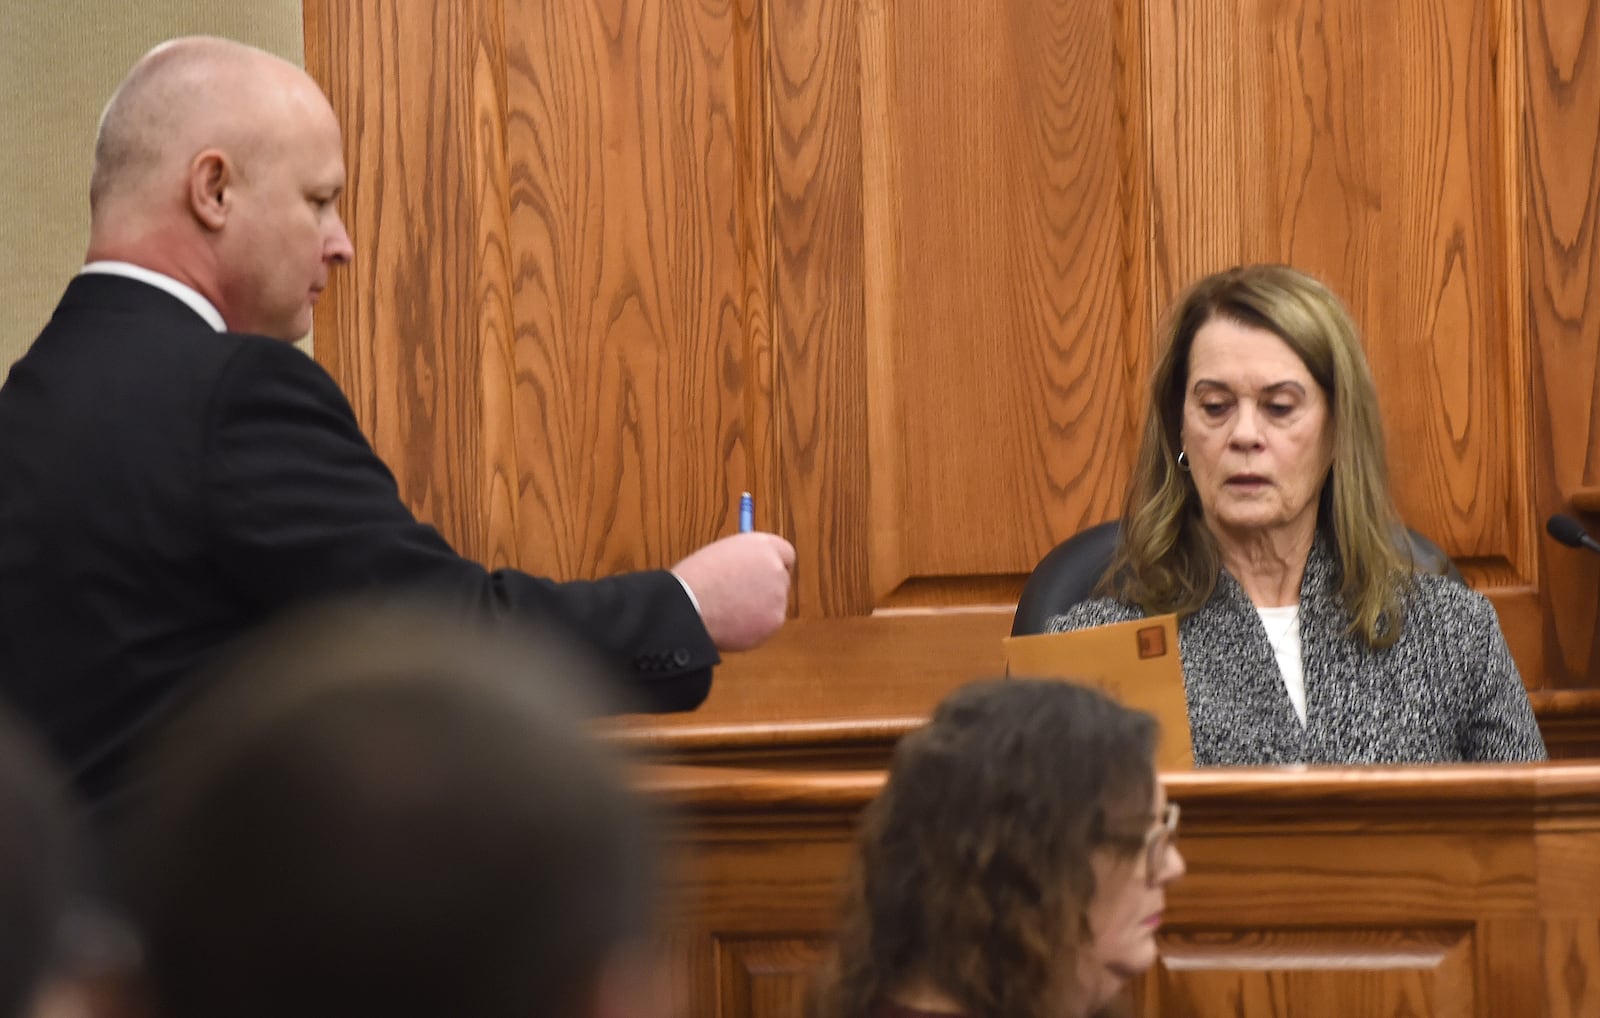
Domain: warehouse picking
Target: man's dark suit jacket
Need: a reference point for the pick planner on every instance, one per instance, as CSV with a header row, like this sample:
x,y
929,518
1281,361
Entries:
x,y
164,487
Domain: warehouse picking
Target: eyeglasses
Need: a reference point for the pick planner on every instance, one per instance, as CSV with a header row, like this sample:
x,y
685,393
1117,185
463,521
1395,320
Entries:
x,y
1158,841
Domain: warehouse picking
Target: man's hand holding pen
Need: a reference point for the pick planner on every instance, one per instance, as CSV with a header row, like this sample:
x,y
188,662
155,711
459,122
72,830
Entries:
x,y
741,584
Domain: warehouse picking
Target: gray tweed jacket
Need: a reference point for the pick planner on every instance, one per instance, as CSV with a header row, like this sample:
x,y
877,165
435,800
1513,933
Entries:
x,y
1446,691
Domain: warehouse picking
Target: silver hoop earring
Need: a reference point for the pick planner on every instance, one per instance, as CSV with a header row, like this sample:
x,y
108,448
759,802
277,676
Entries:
x,y
1183,461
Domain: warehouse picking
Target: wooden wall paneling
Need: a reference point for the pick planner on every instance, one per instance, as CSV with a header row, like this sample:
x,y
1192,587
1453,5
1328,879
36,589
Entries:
x,y
1522,620
634,374
1562,146
1515,590
1570,961
1365,147
1141,314
1568,868
1312,974
1569,720
757,885
819,306
416,328
1561,225
1509,963
756,238
686,967
1194,120
768,975
1427,879
1001,252
1445,335
883,221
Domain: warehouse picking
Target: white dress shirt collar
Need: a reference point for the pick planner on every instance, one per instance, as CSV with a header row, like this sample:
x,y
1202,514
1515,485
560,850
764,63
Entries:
x,y
188,294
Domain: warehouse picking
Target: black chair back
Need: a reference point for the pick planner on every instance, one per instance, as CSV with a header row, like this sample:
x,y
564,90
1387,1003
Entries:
x,y
1073,568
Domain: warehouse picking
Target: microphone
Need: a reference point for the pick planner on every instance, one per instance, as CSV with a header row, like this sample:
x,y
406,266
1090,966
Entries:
x,y
1571,533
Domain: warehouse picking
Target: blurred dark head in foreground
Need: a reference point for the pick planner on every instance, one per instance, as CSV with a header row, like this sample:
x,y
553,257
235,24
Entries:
x,y
38,868
377,812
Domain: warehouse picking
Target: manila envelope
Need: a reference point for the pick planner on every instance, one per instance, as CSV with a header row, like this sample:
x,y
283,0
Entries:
x,y
1135,663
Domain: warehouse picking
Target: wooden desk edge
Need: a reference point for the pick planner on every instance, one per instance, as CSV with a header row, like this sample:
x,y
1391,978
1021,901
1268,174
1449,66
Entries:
x,y
1370,792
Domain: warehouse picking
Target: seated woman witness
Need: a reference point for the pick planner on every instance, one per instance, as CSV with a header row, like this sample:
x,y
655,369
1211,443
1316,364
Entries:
x,y
1015,864
1260,514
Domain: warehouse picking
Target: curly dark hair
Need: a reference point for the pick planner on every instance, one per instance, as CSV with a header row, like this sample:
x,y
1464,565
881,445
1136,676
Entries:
x,y
973,871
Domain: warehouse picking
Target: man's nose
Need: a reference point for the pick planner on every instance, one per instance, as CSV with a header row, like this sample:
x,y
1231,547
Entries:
x,y
338,249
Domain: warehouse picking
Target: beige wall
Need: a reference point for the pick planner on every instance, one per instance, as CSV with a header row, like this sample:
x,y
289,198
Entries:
x,y
59,62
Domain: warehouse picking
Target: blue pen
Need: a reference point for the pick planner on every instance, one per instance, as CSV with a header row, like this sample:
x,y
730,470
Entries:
x,y
747,513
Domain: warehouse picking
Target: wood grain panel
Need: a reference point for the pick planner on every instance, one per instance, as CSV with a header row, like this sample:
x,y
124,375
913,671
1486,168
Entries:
x,y
1562,150
1376,973
1569,720
819,311
415,328
1001,254
1571,963
1522,620
1367,147
1569,867
688,973
752,904
1509,957
631,363
1325,886
1561,225
771,976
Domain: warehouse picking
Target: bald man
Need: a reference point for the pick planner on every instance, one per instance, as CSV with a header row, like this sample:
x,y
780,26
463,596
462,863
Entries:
x,y
173,471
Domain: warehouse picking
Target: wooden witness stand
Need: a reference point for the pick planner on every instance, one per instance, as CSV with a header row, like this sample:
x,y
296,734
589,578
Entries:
x,y
1342,892
1346,893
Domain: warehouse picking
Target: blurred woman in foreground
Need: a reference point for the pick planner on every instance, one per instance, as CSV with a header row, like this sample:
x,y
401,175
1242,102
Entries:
x,y
1014,865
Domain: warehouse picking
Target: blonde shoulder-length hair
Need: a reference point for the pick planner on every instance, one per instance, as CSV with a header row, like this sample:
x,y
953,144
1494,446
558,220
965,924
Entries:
x,y
1167,560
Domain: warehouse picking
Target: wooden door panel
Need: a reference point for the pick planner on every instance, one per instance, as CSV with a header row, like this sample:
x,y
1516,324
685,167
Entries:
x,y
767,977
1009,367
1371,148
627,224
1286,973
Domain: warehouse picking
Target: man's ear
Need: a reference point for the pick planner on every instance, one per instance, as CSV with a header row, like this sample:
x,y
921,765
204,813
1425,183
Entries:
x,y
211,180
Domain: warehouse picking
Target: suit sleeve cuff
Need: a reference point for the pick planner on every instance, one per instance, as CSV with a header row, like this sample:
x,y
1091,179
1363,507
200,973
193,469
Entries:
x,y
692,599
